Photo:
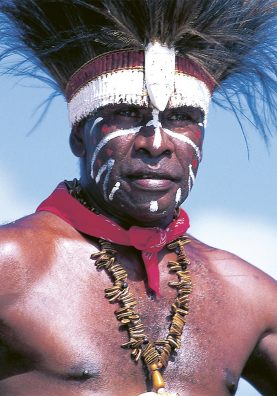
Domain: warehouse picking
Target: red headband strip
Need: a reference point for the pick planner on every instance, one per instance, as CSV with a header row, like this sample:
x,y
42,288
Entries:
x,y
124,60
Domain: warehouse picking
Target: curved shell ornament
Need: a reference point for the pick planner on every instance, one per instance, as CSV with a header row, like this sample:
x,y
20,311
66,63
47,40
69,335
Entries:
x,y
159,73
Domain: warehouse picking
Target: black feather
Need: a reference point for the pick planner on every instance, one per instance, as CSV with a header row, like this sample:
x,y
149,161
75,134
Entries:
x,y
234,41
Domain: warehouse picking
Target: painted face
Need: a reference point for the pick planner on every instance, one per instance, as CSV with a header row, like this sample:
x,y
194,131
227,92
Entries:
x,y
142,163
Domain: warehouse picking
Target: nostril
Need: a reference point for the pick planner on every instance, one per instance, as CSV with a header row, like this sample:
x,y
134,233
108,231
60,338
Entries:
x,y
154,144
142,150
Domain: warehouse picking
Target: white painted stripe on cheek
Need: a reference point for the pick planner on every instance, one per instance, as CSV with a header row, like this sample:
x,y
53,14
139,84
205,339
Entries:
x,y
99,119
103,168
105,140
153,206
184,139
114,190
191,177
106,180
178,196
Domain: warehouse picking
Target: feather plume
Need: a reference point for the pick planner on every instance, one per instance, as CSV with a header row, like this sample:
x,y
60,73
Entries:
x,y
234,41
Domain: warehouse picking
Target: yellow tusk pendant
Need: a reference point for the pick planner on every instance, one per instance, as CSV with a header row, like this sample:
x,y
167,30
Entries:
x,y
157,382
157,379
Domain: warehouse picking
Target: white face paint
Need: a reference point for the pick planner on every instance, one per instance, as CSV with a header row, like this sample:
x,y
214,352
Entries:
x,y
175,89
108,166
99,119
156,142
114,190
106,180
191,178
153,206
184,139
178,195
157,125
106,139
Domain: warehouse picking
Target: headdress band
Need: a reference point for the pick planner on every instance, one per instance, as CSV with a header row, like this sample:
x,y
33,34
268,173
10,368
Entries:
x,y
119,77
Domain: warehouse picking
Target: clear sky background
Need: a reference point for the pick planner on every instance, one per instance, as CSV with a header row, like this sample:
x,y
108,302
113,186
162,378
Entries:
x,y
233,204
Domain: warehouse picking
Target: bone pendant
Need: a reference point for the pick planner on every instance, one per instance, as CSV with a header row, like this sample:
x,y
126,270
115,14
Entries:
x,y
159,74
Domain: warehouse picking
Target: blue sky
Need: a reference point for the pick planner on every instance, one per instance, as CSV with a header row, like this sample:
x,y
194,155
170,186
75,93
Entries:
x,y
233,204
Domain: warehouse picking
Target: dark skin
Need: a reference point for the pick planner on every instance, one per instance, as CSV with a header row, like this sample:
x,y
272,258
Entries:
x,y
59,335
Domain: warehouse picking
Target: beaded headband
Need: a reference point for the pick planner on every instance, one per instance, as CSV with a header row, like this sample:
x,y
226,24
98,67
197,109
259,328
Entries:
x,y
138,77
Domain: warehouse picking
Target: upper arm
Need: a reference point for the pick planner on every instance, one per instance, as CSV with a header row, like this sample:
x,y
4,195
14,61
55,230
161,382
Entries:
x,y
261,367
12,271
27,246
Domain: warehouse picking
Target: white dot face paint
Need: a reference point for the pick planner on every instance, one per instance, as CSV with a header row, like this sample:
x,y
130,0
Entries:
x,y
114,190
178,196
154,206
157,125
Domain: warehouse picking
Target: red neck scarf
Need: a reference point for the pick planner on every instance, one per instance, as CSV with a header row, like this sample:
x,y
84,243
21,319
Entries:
x,y
149,240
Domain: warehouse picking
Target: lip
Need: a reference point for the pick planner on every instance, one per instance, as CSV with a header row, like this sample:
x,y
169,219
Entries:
x,y
152,184
151,181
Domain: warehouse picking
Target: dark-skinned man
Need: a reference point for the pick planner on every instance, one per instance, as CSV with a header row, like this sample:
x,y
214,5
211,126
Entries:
x,y
106,260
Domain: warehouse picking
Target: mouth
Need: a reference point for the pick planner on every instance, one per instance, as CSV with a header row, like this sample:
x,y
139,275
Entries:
x,y
152,180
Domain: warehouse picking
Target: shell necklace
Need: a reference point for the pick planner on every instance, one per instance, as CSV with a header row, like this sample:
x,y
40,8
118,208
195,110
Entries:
x,y
154,354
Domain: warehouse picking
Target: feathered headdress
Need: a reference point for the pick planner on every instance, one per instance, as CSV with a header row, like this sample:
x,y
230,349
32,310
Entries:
x,y
229,45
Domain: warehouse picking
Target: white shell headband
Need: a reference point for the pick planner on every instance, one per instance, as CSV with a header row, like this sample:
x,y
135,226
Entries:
x,y
138,77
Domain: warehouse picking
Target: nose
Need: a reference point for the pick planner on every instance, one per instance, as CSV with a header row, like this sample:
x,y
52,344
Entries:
x,y
154,141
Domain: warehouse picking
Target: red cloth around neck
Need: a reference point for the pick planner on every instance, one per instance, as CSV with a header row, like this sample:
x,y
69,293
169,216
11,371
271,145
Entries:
x,y
148,240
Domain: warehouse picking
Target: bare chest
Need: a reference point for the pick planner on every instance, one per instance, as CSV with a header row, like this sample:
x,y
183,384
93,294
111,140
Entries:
x,y
69,336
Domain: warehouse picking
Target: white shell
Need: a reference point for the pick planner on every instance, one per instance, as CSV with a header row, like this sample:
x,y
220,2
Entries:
x,y
159,73
148,393
161,391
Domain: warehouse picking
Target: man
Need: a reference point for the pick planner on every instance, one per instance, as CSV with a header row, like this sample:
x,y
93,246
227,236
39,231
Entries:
x,y
138,113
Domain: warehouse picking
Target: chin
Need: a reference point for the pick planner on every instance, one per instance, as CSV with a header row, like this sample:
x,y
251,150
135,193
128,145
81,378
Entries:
x,y
150,214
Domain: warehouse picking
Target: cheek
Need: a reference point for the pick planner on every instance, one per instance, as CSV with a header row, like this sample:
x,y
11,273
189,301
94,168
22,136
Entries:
x,y
194,164
197,136
98,134
101,132
103,157
108,152
105,129
187,156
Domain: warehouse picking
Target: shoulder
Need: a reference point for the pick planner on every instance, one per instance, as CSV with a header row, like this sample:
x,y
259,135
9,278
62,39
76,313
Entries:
x,y
26,246
244,282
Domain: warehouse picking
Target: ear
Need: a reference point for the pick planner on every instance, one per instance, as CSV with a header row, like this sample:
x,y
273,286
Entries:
x,y
77,140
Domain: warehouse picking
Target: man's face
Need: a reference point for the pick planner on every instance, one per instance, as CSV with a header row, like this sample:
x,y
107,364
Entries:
x,y
140,164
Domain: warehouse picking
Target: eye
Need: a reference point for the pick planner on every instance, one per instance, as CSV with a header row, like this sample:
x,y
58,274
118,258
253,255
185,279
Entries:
x,y
129,112
180,117
183,116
